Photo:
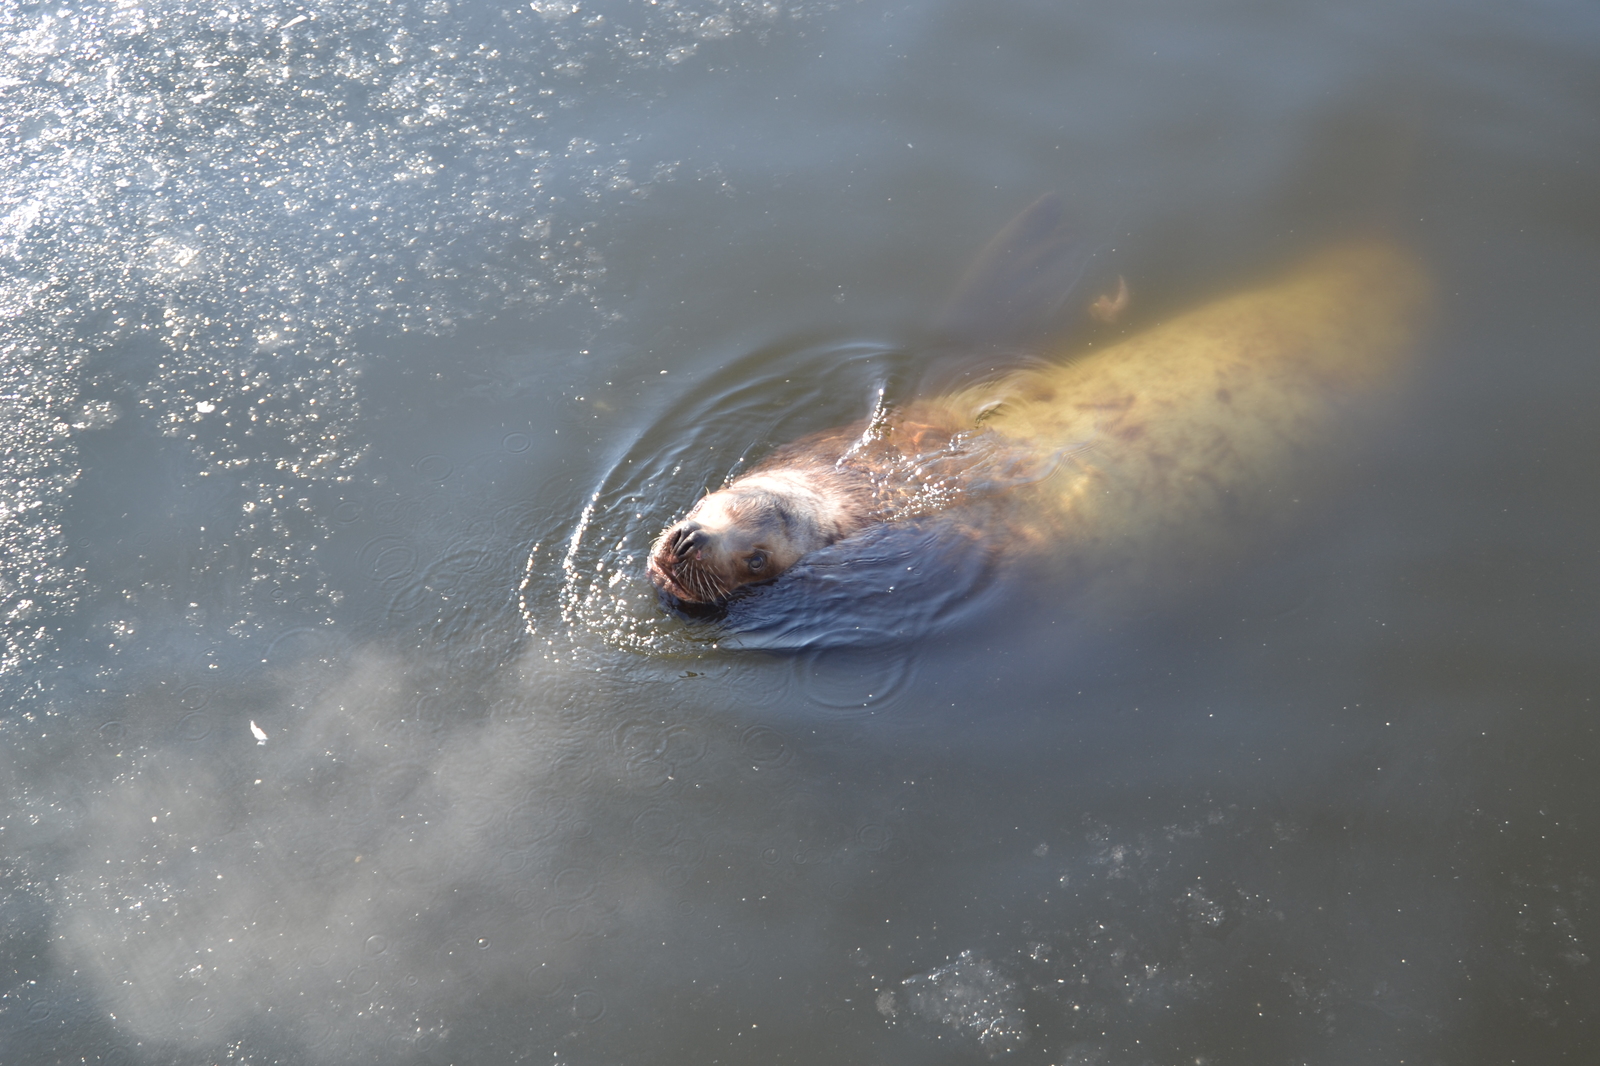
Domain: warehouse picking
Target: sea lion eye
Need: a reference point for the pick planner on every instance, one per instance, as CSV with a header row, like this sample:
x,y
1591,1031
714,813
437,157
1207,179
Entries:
x,y
756,562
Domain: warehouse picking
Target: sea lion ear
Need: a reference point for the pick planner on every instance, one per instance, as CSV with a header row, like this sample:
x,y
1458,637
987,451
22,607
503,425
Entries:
x,y
1018,281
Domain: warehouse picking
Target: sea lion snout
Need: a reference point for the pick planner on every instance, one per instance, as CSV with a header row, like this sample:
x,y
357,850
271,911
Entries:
x,y
747,533
687,562
686,537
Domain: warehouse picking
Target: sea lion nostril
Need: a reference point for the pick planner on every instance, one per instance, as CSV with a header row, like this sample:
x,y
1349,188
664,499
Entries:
x,y
687,539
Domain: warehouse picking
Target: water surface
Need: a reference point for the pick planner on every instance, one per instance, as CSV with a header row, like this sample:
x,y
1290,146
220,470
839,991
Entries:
x,y
352,354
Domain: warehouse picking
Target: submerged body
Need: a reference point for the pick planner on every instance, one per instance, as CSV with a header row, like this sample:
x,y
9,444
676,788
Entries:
x,y
1179,436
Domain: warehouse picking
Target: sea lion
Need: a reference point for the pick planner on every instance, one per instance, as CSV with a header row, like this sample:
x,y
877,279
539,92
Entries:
x,y
1178,436
760,525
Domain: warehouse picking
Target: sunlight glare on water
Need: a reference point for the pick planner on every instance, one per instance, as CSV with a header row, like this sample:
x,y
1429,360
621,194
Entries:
x,y
352,356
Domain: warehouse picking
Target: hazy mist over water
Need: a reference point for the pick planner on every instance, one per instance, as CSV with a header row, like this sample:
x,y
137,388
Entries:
x,y
351,355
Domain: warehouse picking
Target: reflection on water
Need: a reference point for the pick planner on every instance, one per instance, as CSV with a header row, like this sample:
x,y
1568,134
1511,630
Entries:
x,y
318,319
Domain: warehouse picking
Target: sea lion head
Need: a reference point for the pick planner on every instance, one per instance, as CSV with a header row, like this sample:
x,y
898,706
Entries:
x,y
752,531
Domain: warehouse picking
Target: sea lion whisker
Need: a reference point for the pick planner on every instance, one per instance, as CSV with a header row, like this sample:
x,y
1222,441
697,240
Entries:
x,y
700,581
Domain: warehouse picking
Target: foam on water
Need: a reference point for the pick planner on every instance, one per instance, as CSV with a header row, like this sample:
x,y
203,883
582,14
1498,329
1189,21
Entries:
x,y
970,995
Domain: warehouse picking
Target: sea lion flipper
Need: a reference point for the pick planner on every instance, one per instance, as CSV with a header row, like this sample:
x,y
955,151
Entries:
x,y
1019,280
1007,300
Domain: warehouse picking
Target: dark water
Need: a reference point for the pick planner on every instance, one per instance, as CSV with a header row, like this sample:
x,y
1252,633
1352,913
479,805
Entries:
x,y
319,318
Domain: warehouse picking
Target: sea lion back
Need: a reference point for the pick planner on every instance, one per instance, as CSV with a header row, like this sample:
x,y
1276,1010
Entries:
x,y
1197,424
